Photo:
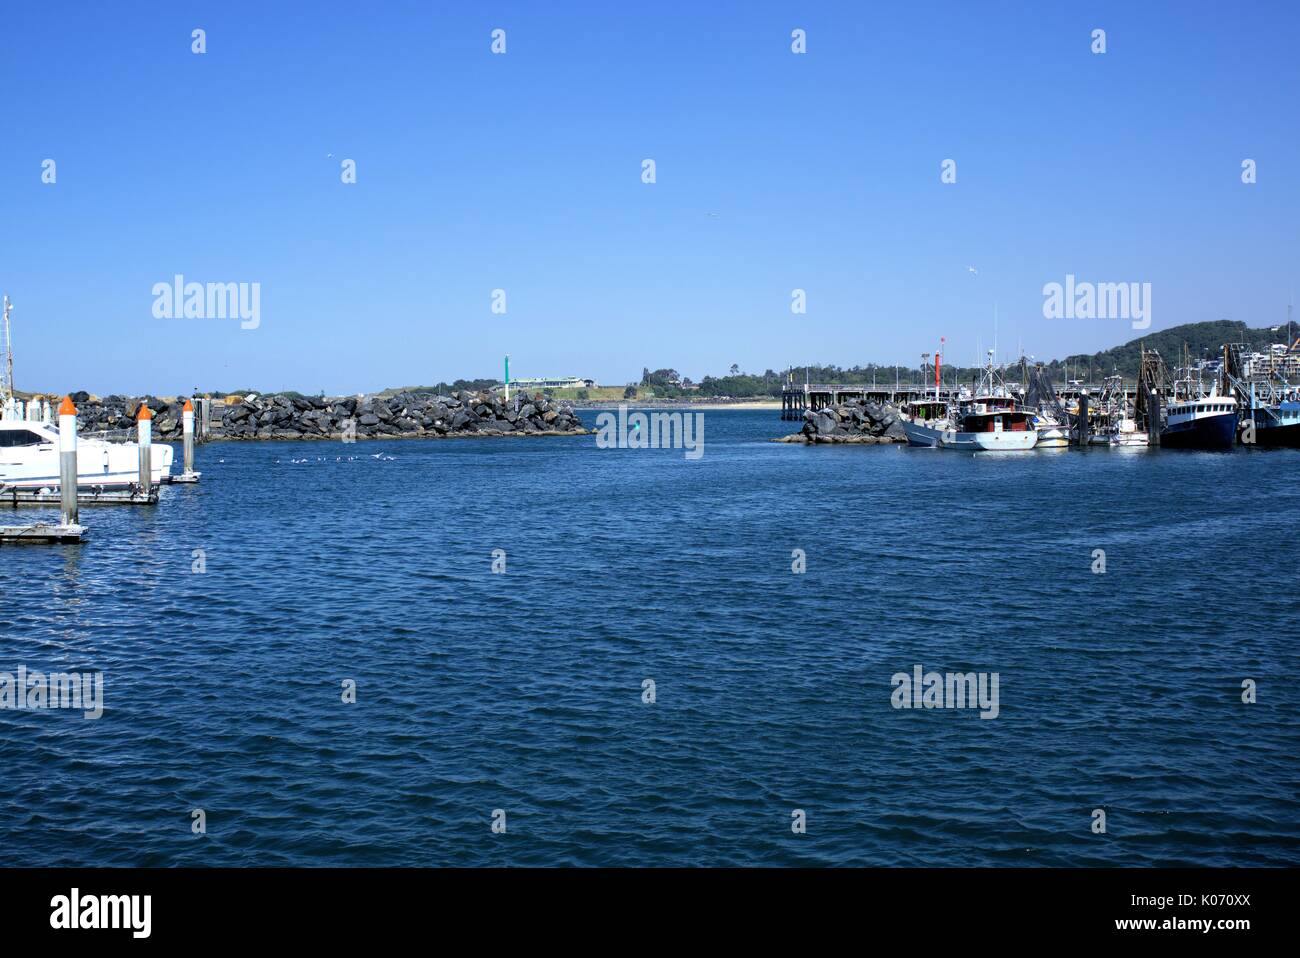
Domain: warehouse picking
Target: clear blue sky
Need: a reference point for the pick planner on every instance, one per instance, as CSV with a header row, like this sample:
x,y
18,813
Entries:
x,y
523,172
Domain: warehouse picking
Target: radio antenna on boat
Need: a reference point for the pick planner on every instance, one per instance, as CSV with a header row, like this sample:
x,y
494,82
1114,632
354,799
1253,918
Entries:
x,y
9,353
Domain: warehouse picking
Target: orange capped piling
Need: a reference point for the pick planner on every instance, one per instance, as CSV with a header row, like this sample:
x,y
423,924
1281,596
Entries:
x,y
68,461
144,436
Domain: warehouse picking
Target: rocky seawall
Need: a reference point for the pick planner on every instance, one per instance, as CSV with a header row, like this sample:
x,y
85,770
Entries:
x,y
855,420
405,415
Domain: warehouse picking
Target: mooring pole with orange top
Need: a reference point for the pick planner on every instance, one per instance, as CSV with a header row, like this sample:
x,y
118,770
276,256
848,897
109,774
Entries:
x,y
188,438
68,460
187,435
144,436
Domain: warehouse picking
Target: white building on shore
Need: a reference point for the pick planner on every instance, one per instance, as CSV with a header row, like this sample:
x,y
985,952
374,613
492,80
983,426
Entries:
x,y
538,383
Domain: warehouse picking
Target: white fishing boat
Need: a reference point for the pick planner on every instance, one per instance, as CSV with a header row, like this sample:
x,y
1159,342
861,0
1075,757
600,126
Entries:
x,y
1052,421
1116,423
29,449
1123,433
925,413
990,421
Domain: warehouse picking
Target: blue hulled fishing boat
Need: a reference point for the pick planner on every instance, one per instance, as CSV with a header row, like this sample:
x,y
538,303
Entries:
x,y
1202,422
1277,424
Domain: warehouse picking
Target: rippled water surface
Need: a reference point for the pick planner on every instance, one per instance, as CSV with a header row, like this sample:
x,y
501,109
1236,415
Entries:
x,y
523,691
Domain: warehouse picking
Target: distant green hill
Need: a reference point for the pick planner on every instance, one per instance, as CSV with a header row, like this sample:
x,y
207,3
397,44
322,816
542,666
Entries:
x,y
1203,340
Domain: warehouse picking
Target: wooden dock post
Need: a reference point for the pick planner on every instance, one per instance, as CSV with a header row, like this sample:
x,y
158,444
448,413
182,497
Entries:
x,y
144,436
68,460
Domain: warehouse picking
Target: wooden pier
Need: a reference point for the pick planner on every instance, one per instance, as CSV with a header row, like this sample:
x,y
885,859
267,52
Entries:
x,y
41,532
132,496
796,398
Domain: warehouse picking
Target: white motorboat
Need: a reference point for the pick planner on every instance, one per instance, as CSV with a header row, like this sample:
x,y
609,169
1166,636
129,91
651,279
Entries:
x,y
29,459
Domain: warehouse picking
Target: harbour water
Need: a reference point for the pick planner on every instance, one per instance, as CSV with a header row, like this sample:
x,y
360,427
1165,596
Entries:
x,y
523,690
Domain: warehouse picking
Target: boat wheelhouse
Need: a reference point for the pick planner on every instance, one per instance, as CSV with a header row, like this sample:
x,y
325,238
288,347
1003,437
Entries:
x,y
927,411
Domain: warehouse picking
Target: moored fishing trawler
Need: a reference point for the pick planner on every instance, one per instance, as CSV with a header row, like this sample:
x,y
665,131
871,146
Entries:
x,y
928,414
923,418
1121,433
1201,422
1051,421
1278,425
1116,425
990,420
1272,416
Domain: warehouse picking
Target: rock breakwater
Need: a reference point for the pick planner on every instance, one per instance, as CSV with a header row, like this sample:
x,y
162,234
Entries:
x,y
291,416
854,420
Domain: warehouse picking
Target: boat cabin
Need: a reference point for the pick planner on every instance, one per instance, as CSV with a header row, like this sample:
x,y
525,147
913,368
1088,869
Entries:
x,y
928,410
997,420
16,432
1206,406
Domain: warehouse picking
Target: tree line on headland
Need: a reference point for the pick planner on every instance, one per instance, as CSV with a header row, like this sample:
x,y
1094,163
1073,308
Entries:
x,y
1201,340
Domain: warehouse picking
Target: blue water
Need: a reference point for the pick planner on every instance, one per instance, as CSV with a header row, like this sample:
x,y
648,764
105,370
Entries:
x,y
522,691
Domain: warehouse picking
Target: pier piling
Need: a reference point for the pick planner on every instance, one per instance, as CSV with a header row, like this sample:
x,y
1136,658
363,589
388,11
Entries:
x,y
68,460
187,444
144,436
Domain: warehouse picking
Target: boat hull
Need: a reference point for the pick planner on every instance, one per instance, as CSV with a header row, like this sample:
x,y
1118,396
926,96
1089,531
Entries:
x,y
1006,441
921,435
1276,435
1121,440
1217,432
100,465
1053,437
